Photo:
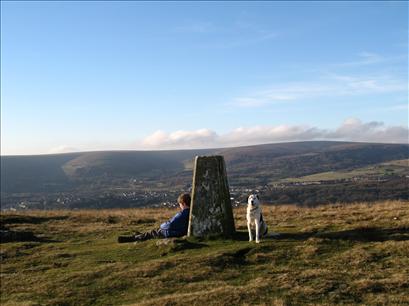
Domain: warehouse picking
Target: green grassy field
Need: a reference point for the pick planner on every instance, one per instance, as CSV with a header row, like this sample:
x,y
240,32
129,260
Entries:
x,y
396,167
342,254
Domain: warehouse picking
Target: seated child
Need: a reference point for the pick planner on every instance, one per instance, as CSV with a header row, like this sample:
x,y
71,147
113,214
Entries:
x,y
175,227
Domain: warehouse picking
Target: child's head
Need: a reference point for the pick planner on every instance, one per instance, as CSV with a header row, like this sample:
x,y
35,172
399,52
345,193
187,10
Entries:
x,y
184,198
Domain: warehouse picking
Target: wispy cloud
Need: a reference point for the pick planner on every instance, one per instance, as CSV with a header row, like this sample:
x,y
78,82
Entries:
x,y
329,82
234,41
365,58
330,85
369,58
351,129
356,85
261,99
398,107
197,27
225,36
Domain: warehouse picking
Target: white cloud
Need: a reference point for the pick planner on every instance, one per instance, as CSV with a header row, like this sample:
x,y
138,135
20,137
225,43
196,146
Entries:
x,y
374,131
267,134
351,129
180,139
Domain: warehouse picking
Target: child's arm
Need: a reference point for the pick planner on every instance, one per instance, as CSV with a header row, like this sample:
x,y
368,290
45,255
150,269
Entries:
x,y
168,224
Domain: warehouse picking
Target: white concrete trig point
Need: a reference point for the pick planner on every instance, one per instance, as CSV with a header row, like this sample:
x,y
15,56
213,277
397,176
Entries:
x,y
211,212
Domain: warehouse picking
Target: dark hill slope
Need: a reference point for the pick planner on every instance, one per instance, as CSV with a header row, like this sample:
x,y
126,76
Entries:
x,y
59,172
35,172
275,161
129,163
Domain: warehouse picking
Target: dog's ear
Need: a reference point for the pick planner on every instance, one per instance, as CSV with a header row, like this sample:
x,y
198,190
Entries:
x,y
257,197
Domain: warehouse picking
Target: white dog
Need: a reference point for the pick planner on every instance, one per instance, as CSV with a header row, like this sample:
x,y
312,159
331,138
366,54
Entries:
x,y
255,215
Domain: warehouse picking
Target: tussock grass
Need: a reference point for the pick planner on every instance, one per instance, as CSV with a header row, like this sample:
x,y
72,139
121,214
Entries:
x,y
336,254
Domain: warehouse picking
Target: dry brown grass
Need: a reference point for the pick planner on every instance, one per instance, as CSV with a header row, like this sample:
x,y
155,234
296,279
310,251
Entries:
x,y
336,254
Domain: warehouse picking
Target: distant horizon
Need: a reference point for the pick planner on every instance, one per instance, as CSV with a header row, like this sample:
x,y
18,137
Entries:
x,y
188,75
205,149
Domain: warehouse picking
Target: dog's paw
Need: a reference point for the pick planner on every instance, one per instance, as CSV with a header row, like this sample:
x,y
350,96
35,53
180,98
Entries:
x,y
250,239
258,241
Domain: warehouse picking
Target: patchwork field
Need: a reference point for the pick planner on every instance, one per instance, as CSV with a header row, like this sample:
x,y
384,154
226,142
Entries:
x,y
395,167
351,254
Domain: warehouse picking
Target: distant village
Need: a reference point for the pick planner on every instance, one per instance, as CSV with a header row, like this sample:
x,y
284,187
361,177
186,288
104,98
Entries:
x,y
157,198
129,199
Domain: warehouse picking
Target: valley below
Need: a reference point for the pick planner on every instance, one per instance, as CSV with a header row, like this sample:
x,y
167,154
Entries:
x,y
300,173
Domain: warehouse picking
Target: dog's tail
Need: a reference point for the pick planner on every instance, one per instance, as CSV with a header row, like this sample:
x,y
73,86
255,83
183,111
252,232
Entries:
x,y
263,225
266,231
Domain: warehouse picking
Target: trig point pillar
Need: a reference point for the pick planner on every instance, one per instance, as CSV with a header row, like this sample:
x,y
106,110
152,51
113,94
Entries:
x,y
210,211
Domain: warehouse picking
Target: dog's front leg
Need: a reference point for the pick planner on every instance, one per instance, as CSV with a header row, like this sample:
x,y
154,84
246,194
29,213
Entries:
x,y
249,229
257,230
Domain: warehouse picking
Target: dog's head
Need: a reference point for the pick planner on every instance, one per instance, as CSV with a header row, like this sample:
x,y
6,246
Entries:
x,y
253,200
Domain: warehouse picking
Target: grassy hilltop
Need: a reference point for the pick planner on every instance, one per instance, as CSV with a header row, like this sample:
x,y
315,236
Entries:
x,y
352,254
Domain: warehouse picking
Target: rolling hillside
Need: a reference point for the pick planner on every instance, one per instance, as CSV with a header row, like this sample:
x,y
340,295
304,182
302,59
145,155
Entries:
x,y
251,165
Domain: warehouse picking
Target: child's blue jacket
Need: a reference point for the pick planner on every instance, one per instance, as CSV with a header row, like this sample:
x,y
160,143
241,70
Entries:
x,y
177,226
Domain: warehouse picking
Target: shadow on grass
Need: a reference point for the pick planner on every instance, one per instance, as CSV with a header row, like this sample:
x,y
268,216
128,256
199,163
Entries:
x,y
15,219
365,234
229,259
21,236
183,244
241,236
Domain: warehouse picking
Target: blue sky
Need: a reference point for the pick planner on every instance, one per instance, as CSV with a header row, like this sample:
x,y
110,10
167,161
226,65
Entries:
x,y
165,75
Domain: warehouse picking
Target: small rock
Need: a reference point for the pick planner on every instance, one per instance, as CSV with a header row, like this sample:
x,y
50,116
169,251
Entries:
x,y
161,242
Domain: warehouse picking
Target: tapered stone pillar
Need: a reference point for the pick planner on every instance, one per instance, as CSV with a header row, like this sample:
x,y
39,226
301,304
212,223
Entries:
x,y
211,211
